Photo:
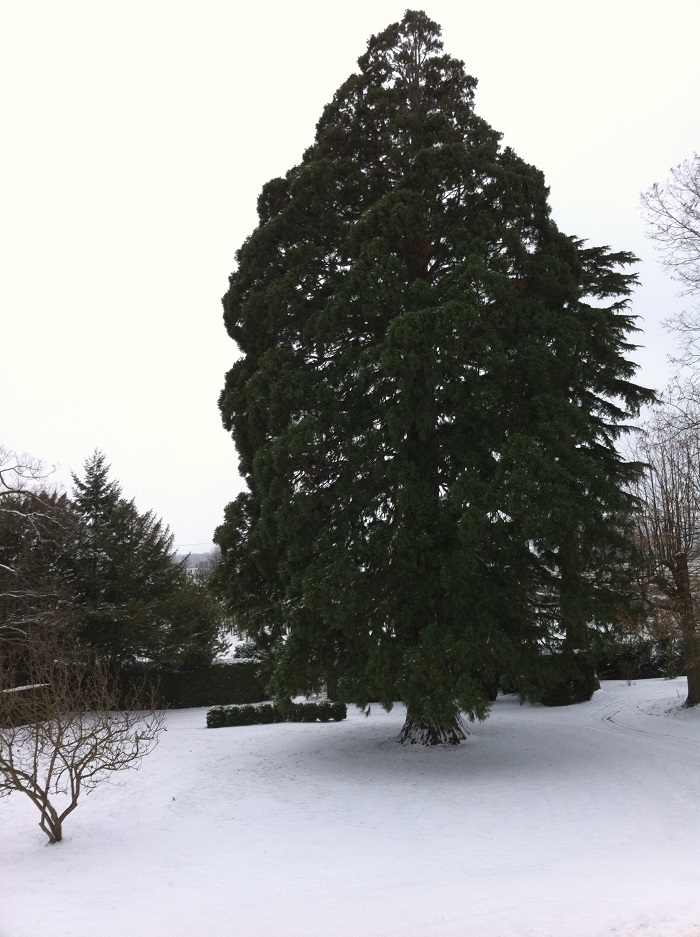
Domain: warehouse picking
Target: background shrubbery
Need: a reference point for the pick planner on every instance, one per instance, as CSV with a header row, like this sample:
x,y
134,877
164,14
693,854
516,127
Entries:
x,y
239,682
639,657
566,682
216,685
267,713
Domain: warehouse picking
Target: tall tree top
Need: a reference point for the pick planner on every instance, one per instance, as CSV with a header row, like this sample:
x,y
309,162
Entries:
x,y
95,496
408,94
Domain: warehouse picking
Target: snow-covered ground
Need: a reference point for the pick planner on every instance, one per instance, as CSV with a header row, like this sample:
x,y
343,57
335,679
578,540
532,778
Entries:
x,y
574,822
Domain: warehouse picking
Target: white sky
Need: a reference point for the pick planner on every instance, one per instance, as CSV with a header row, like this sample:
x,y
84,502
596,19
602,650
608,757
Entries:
x,y
136,137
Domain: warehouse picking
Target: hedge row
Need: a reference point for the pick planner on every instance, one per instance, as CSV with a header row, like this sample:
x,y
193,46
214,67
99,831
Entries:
x,y
325,711
216,685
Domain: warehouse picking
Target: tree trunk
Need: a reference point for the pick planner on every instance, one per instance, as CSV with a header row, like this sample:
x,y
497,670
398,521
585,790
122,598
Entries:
x,y
691,659
690,641
419,731
51,825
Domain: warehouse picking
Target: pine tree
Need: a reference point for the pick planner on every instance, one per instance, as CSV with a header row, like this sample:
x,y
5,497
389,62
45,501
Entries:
x,y
95,495
432,380
134,599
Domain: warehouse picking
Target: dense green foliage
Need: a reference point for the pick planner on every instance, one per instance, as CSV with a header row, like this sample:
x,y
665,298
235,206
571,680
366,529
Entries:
x,y
323,711
134,600
215,685
432,380
95,567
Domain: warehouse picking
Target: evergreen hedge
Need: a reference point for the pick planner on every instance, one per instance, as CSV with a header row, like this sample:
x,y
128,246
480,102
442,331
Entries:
x,y
267,713
218,684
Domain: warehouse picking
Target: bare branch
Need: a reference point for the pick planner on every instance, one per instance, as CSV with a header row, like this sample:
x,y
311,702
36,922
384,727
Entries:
x,y
67,728
21,473
672,212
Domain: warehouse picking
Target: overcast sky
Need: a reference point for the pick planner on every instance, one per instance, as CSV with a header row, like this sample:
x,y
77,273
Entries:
x,y
136,137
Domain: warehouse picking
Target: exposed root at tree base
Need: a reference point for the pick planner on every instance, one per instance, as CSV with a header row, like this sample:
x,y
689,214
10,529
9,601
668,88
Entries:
x,y
421,732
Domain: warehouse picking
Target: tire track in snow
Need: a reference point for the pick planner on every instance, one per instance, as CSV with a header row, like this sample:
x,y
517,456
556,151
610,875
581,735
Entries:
x,y
620,717
614,716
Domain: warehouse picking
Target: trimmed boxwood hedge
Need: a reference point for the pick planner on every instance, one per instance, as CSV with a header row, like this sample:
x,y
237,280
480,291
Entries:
x,y
267,713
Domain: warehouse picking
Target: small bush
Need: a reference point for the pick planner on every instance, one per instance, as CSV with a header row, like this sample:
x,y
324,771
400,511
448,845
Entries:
x,y
338,711
268,713
576,684
249,715
309,712
216,718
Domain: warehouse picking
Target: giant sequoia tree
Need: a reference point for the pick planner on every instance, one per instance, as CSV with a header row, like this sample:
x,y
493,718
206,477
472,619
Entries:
x,y
431,382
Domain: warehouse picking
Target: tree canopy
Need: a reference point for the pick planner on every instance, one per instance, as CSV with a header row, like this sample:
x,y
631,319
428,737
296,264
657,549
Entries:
x,y
432,380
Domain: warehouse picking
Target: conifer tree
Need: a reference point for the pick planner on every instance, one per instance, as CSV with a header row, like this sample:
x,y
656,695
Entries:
x,y
133,599
432,380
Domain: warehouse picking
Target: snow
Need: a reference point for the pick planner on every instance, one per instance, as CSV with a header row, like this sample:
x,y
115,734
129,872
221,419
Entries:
x,y
29,686
571,822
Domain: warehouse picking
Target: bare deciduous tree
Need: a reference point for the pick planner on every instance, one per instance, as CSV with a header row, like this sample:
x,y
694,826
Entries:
x,y
669,536
672,212
66,728
19,473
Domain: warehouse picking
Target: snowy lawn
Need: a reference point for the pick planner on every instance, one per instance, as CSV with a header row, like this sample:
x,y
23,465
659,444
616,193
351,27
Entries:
x,y
572,822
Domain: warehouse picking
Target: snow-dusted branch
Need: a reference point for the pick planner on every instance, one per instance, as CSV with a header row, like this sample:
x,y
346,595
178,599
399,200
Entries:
x,y
35,519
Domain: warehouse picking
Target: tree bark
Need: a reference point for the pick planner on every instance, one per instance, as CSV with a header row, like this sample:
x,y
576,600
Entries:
x,y
691,653
418,730
690,641
52,826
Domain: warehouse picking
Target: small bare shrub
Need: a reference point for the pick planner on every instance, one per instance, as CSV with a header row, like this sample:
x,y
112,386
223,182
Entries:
x,y
68,727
